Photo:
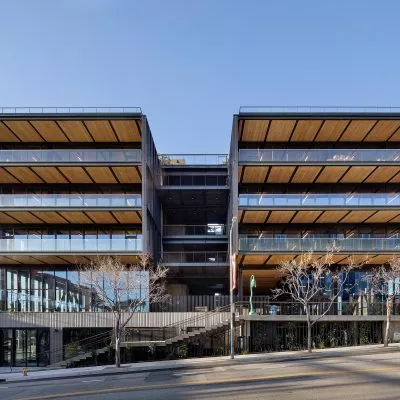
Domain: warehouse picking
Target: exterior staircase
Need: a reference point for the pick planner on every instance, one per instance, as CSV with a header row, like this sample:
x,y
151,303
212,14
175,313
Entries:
x,y
180,332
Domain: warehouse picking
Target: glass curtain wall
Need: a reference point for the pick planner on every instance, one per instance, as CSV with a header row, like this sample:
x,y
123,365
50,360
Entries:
x,y
55,290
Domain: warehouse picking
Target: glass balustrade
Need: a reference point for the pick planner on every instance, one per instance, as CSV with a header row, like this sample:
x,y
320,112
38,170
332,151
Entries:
x,y
43,245
334,156
193,159
73,200
319,244
54,156
322,200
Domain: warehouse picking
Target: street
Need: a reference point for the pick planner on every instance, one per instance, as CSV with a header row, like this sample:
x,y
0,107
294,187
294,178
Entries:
x,y
370,376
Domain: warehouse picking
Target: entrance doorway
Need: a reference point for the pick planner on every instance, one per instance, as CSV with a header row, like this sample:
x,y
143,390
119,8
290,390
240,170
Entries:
x,y
24,347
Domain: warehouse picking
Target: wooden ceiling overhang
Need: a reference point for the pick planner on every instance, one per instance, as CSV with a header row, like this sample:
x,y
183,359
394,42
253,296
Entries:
x,y
333,215
71,129
132,216
319,128
318,174
56,174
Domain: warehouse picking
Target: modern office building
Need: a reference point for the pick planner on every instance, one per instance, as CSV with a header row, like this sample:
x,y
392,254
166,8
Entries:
x,y
78,183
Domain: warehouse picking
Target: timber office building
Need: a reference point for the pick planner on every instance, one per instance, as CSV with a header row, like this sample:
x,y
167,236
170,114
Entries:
x,y
76,183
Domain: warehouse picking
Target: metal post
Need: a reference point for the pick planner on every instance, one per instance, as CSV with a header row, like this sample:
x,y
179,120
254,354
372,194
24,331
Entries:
x,y
231,269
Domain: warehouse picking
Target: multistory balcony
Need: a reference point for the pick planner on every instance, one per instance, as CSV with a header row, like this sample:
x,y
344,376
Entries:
x,y
319,156
70,157
83,245
320,244
319,201
69,201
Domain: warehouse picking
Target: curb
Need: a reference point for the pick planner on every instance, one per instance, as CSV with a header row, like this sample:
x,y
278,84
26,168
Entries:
x,y
256,360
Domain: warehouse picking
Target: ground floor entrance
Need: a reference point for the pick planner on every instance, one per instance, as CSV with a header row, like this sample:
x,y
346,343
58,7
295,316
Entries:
x,y
24,347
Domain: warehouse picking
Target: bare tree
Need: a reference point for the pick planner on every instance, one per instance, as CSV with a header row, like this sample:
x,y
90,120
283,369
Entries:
x,y
312,279
383,282
124,290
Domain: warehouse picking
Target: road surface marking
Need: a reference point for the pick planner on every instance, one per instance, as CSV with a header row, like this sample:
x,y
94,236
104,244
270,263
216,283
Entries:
x,y
216,381
94,380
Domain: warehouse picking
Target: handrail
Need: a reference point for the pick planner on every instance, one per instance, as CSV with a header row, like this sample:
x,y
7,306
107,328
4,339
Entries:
x,y
98,338
193,159
68,110
197,317
317,109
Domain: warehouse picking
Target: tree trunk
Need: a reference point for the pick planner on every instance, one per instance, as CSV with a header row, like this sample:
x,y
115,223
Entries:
x,y
309,341
309,344
117,345
387,330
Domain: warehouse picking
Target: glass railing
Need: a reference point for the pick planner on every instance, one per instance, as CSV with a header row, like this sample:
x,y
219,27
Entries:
x,y
70,200
43,245
69,110
250,244
55,156
195,230
195,257
320,200
193,159
334,156
316,109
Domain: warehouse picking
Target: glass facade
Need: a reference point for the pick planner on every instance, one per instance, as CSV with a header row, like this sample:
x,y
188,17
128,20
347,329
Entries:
x,y
24,347
46,240
59,290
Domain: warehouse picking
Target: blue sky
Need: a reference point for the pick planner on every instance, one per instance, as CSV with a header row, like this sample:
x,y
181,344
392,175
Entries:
x,y
190,64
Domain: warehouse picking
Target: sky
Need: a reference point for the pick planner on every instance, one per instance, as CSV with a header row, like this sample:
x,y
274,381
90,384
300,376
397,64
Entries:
x,y
190,64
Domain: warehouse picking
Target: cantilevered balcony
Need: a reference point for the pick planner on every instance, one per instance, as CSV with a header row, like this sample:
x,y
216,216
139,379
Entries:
x,y
318,208
288,245
70,157
75,245
71,208
70,201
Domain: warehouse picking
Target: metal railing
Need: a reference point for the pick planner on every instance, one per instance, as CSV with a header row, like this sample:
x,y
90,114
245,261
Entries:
x,y
307,156
357,307
317,109
44,245
193,159
213,230
320,200
208,257
70,200
76,156
318,244
69,110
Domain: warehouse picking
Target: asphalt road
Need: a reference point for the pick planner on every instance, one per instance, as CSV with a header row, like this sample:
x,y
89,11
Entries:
x,y
372,376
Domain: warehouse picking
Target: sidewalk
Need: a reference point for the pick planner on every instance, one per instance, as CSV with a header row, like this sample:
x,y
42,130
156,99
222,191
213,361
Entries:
x,y
190,363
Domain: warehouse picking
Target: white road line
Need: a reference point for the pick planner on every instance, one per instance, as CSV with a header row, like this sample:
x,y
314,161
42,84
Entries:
x,y
94,380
